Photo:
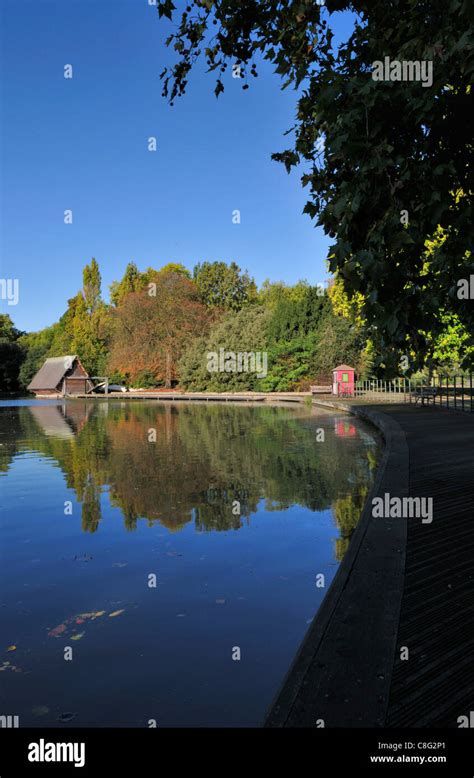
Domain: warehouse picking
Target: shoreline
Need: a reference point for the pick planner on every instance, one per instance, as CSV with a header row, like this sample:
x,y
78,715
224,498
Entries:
x,y
361,610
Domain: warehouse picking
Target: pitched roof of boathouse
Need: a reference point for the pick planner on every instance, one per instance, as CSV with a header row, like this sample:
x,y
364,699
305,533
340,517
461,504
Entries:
x,y
53,371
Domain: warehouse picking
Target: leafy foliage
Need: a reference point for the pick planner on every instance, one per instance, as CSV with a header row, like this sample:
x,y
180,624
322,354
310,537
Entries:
x,y
224,286
11,355
151,330
244,331
370,149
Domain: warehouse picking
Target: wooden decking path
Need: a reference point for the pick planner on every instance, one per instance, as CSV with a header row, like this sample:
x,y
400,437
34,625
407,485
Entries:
x,y
436,684
350,670
196,396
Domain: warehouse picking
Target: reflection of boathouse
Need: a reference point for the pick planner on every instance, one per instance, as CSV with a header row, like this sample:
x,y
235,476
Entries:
x,y
61,421
59,376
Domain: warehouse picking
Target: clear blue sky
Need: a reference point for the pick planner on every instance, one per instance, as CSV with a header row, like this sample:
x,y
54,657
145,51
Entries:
x,y
81,144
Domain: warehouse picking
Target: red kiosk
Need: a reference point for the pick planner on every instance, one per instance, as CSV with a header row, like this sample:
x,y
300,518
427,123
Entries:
x,y
343,381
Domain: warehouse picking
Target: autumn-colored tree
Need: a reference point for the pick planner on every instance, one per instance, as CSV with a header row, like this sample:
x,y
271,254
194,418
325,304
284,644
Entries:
x,y
152,327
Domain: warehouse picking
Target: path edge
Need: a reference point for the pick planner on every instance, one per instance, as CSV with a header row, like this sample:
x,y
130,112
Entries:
x,y
375,559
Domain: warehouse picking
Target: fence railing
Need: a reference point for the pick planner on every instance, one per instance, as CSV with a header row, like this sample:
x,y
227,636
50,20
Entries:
x,y
396,390
454,392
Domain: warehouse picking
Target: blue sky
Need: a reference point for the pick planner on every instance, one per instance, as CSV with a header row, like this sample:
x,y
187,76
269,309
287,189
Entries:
x,y
81,144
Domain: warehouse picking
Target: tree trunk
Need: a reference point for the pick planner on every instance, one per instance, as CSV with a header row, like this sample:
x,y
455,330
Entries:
x,y
168,370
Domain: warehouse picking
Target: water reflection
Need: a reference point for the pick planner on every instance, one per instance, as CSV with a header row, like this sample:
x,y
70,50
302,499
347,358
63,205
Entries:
x,y
233,508
201,463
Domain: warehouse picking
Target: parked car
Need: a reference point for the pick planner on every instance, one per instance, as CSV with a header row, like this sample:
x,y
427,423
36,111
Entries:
x,y
100,388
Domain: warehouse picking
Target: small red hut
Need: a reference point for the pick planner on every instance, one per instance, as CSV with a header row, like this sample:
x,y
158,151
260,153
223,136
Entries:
x,y
343,381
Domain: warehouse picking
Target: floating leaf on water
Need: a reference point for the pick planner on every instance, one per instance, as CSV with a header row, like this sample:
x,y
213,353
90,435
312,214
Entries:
x,y
57,631
84,616
65,717
78,636
8,666
11,648
98,614
40,710
116,613
79,621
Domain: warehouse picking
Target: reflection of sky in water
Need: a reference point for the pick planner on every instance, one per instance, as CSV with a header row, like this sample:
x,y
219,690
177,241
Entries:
x,y
169,509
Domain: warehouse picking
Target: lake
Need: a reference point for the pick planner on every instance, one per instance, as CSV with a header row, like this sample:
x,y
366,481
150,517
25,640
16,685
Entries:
x,y
161,562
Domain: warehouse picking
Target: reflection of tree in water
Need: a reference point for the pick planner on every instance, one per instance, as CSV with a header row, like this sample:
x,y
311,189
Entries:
x,y
346,511
11,433
91,514
204,459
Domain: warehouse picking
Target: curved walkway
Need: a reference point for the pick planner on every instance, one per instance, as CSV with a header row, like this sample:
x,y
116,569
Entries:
x,y
393,641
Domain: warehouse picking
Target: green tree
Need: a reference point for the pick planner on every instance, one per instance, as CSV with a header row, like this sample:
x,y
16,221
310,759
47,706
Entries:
x,y
336,340
91,286
132,281
12,355
243,331
175,267
37,347
224,286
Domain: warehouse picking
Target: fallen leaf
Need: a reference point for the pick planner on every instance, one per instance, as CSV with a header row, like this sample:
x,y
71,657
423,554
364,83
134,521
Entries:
x,y
78,636
65,717
99,613
79,621
40,710
116,613
57,631
11,648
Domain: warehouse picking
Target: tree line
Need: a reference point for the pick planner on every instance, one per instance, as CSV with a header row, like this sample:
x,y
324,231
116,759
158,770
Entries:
x,y
161,324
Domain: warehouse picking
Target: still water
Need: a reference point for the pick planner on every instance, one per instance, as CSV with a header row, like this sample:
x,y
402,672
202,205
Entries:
x,y
159,560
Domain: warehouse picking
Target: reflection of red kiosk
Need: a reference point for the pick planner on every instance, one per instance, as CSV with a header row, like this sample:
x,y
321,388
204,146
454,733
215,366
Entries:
x,y
344,429
343,381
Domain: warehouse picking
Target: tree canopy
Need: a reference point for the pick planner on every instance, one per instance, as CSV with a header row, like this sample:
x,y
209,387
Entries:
x,y
386,163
